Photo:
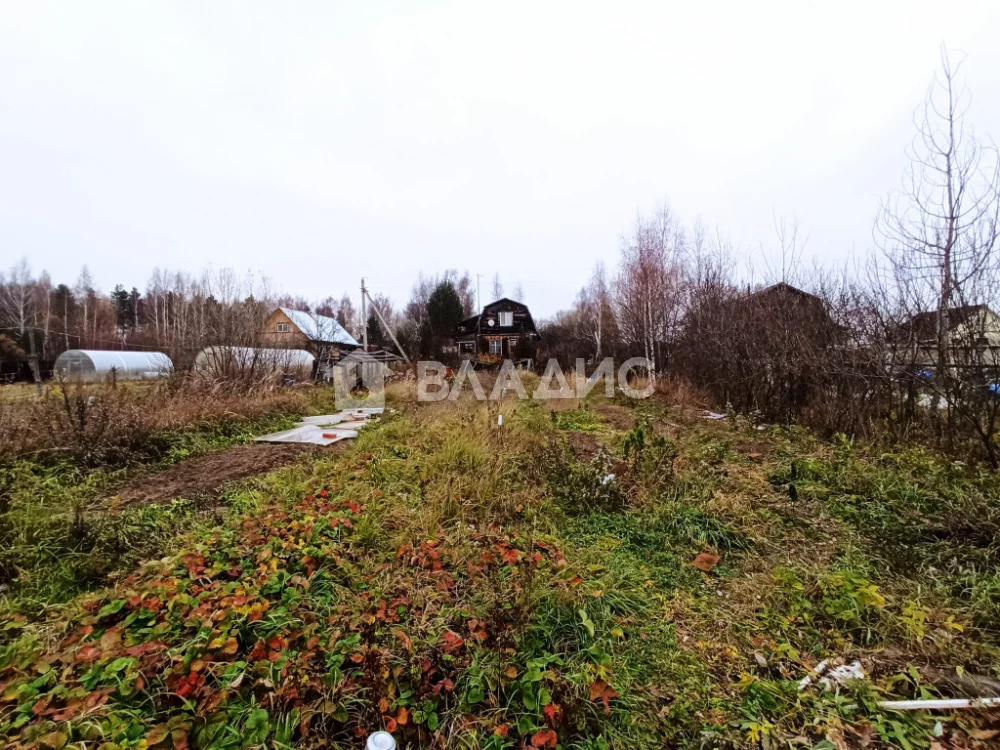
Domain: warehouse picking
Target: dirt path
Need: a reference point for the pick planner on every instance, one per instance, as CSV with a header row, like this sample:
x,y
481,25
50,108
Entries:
x,y
204,477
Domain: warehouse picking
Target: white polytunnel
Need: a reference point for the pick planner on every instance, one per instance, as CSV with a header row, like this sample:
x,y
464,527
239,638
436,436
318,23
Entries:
x,y
245,360
91,365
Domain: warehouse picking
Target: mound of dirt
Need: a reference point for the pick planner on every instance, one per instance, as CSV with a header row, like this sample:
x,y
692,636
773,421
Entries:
x,y
584,445
204,477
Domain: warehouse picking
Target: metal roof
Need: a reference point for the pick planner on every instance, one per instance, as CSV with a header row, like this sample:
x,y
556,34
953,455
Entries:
x,y
319,327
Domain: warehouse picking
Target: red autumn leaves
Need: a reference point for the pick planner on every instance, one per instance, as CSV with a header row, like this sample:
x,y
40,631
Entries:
x,y
603,692
257,595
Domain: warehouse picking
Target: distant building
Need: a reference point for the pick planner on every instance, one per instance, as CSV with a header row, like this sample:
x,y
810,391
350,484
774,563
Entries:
x,y
799,306
503,330
320,335
973,335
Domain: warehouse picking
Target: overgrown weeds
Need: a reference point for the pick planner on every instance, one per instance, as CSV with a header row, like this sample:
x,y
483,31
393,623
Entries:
x,y
468,585
57,536
114,424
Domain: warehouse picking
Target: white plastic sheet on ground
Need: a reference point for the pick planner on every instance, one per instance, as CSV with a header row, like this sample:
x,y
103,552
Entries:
x,y
325,429
323,420
310,434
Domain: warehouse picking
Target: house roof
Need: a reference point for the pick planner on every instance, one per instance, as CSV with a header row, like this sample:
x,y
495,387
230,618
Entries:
x,y
319,327
476,325
924,325
504,299
783,287
469,325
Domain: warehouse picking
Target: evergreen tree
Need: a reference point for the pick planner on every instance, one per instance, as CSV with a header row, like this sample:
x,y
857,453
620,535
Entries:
x,y
375,335
444,313
121,303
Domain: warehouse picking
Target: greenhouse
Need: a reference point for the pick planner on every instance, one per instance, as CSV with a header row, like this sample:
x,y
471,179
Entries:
x,y
90,365
245,361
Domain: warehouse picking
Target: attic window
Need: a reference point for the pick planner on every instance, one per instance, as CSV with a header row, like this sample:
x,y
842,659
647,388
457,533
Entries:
x,y
506,318
283,328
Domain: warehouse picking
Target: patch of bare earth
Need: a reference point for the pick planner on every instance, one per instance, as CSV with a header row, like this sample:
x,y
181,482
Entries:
x,y
618,416
584,445
204,477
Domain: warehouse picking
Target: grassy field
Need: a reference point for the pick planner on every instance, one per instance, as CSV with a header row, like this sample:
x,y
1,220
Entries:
x,y
467,586
64,459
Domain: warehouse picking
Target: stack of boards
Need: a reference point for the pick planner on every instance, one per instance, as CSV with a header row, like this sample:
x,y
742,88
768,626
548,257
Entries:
x,y
325,429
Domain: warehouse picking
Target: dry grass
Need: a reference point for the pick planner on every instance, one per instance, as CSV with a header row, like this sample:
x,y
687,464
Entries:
x,y
682,394
106,424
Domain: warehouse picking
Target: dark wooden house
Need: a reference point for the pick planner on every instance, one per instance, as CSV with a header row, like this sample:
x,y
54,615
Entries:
x,y
503,330
791,305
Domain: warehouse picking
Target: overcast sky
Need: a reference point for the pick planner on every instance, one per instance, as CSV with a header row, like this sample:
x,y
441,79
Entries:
x,y
321,142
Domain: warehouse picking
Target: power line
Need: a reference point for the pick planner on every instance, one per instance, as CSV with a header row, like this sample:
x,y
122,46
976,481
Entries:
x,y
79,337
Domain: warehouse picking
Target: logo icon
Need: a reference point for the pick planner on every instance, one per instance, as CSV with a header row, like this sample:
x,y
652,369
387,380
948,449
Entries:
x,y
359,382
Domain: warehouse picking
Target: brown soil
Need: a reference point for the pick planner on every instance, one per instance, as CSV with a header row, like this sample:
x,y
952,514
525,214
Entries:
x,y
620,417
756,451
204,477
584,445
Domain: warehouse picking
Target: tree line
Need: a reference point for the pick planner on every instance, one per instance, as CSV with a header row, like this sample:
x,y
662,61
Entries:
x,y
902,343
180,314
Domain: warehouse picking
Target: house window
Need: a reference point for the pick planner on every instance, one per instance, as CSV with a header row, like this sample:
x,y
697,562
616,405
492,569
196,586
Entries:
x,y
495,346
506,318
283,328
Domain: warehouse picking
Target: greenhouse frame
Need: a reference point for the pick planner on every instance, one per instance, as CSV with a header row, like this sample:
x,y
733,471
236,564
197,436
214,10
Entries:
x,y
91,365
245,361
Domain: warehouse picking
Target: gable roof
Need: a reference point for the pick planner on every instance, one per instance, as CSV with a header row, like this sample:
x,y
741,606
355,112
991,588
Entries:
x,y
319,327
487,322
924,325
783,287
504,299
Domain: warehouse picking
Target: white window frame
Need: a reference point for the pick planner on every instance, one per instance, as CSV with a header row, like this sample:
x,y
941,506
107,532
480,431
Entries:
x,y
283,328
496,346
506,319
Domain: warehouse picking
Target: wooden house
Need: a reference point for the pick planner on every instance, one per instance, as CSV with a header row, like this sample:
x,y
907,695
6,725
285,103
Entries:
x,y
973,335
320,335
503,330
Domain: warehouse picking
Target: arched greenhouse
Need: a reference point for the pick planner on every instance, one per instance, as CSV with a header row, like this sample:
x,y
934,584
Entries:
x,y
250,363
90,365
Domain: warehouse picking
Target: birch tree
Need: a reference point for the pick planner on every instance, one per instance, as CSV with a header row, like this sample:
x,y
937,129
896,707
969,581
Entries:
x,y
595,310
648,288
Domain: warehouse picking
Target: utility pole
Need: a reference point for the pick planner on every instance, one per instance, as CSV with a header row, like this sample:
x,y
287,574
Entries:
x,y
33,362
387,327
364,315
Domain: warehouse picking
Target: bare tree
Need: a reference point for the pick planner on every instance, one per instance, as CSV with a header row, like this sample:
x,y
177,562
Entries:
x,y
595,311
497,287
84,292
790,250
465,288
648,287
18,299
347,316
939,235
